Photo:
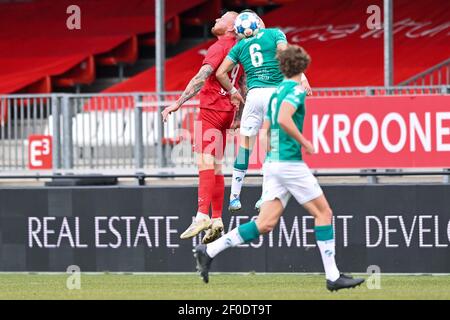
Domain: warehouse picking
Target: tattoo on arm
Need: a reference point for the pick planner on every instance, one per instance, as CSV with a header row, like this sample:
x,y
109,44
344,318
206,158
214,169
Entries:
x,y
196,84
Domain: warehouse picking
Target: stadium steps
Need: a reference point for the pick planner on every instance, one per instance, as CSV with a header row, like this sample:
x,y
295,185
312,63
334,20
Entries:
x,y
108,76
101,84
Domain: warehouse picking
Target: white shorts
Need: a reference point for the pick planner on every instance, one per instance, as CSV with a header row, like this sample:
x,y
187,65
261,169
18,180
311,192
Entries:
x,y
255,109
283,179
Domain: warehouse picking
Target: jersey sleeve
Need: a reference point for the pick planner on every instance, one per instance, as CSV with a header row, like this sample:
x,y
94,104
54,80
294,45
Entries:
x,y
233,55
214,56
296,97
279,36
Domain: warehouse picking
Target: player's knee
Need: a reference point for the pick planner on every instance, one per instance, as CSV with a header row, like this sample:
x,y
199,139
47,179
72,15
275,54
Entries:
x,y
266,226
327,213
205,162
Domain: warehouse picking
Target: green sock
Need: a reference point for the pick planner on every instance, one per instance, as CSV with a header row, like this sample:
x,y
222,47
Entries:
x,y
324,233
248,231
242,159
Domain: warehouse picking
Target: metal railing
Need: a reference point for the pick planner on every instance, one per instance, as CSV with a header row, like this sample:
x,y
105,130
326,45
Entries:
x,y
93,132
21,116
381,91
439,75
100,131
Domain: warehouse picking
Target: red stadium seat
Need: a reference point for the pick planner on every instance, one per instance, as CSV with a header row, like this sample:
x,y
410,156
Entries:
x,y
173,33
203,14
43,85
348,40
126,52
3,112
35,47
83,73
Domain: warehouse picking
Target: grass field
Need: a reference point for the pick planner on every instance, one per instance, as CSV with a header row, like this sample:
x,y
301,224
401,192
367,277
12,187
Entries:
x,y
221,286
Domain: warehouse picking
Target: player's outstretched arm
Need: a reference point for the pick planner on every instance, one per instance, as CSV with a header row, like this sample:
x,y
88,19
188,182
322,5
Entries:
x,y
305,84
194,87
285,121
222,76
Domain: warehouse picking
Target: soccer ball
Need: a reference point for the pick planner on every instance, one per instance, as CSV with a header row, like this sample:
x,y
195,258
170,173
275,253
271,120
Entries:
x,y
246,25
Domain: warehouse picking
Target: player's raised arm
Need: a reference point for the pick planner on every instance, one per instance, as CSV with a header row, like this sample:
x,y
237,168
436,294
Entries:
x,y
281,46
222,76
285,121
281,40
222,73
194,87
305,84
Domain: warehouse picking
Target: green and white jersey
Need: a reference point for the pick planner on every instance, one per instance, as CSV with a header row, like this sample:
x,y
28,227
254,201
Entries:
x,y
258,57
282,146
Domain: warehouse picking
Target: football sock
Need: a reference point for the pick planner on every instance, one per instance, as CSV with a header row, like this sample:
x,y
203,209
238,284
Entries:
x,y
326,244
249,231
217,197
207,180
239,171
244,233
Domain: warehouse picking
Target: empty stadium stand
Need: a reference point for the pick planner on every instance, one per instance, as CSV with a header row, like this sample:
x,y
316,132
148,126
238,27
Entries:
x,y
334,32
114,49
39,54
35,42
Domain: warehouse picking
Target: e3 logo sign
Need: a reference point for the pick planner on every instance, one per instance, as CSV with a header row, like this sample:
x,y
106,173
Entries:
x,y
40,152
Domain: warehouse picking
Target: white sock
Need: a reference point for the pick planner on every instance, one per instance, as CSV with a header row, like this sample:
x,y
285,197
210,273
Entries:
x,y
327,251
236,183
231,239
201,216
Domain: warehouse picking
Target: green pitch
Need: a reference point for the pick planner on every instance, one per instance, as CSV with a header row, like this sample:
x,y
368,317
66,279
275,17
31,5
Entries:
x,y
221,286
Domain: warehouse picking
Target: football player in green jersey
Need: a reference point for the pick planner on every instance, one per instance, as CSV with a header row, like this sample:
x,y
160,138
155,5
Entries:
x,y
286,175
257,54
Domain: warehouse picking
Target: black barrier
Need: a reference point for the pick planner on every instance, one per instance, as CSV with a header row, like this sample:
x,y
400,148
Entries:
x,y
393,228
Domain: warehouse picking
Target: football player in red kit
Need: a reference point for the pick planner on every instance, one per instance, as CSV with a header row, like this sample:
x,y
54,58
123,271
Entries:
x,y
216,115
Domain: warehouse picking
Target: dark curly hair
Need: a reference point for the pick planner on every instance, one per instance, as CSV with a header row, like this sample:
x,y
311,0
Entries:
x,y
293,60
